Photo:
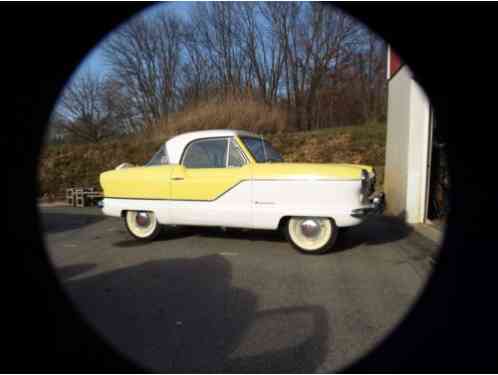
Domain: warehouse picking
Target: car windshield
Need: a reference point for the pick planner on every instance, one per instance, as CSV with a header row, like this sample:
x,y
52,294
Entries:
x,y
261,150
160,157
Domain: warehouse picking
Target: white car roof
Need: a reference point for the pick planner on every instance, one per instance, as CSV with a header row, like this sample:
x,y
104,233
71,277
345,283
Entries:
x,y
174,146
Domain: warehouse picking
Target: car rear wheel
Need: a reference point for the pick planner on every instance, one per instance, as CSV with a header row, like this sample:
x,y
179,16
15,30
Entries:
x,y
311,235
142,225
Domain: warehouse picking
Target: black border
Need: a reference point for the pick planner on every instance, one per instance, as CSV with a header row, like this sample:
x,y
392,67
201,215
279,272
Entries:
x,y
445,332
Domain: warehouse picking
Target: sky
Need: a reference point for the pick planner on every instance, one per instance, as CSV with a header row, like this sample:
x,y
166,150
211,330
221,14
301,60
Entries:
x,y
94,61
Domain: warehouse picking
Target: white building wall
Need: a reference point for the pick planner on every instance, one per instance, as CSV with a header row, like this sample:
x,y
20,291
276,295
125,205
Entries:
x,y
418,147
406,148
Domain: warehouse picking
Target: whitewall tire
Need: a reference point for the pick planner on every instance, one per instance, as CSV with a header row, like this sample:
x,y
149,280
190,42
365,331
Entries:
x,y
311,235
142,225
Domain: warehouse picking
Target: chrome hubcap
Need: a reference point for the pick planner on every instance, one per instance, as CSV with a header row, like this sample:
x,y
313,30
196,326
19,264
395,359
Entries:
x,y
310,228
143,219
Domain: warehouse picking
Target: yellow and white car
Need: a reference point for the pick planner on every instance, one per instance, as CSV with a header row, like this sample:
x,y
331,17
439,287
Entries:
x,y
232,178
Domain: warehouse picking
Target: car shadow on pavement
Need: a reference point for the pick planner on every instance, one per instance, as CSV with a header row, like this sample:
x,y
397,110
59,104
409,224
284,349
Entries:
x,y
168,233
184,315
66,272
55,222
376,230
242,234
177,232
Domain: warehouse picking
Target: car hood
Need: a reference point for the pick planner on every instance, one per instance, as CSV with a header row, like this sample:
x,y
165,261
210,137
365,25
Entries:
x,y
310,170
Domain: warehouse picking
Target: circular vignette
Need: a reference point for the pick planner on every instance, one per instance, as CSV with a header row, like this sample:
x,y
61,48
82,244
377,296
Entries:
x,y
405,344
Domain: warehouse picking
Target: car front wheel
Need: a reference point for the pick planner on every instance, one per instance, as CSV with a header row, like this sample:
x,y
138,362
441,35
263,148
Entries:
x,y
311,235
142,225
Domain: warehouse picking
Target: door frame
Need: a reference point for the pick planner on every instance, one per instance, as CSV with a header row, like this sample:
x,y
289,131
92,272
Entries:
x,y
427,185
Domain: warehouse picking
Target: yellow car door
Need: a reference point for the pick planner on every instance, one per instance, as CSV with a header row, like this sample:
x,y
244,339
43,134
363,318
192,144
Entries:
x,y
209,184
212,184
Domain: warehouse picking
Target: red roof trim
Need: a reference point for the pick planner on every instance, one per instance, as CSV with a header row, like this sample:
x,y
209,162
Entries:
x,y
395,63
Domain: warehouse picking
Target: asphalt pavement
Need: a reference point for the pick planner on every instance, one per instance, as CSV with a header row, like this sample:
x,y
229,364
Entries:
x,y
208,300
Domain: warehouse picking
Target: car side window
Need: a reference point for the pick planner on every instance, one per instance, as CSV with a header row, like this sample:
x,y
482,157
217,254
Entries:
x,y
159,158
235,158
206,153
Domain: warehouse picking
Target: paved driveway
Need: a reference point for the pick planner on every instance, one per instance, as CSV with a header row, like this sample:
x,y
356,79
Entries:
x,y
199,299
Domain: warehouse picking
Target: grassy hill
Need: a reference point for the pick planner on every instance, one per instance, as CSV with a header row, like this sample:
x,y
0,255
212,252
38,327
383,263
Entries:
x,y
64,166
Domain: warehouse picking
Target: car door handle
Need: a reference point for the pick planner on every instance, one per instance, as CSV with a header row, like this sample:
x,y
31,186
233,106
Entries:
x,y
177,178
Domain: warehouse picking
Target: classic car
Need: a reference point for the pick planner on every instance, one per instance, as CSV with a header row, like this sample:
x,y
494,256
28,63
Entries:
x,y
236,179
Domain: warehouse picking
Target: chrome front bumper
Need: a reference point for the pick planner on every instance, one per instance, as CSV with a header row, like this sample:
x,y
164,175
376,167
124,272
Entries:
x,y
375,206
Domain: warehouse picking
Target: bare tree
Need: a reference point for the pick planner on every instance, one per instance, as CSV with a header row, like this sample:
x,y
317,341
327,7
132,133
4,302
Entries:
x,y
120,106
214,30
82,110
320,42
370,65
55,129
326,67
198,75
144,56
262,46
